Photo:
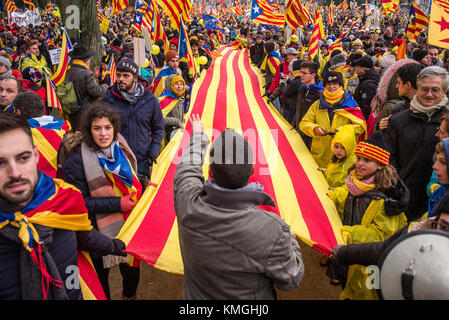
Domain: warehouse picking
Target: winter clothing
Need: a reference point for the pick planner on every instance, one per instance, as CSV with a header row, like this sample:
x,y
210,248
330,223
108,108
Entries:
x,y
87,90
366,90
322,114
257,53
213,221
370,217
142,124
411,141
337,171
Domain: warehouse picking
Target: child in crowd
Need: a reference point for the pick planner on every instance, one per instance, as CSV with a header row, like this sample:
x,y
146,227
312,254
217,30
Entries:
x,y
371,204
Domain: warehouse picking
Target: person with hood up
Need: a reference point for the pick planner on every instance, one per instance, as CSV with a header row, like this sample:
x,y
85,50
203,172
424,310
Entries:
x,y
342,147
172,105
335,108
371,205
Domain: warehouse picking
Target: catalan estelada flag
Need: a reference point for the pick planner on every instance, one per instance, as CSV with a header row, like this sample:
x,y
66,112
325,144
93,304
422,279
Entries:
x,y
119,5
417,21
262,12
168,101
176,9
47,136
59,205
229,95
295,14
438,34
185,51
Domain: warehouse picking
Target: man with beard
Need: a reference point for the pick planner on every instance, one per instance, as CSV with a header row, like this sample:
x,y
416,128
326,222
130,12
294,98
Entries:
x,y
141,120
434,56
43,223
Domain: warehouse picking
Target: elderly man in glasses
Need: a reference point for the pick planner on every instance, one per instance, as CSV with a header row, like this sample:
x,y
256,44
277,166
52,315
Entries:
x,y
411,136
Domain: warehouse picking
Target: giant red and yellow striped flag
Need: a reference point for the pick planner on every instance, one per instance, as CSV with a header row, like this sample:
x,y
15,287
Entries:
x,y
30,4
317,35
229,95
10,6
295,14
176,9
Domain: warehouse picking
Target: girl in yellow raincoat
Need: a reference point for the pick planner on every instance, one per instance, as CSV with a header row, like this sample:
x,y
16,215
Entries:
x,y
342,146
371,205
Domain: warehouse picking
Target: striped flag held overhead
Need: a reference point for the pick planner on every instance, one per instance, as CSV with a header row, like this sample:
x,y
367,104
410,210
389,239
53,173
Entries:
x,y
119,5
59,76
262,12
30,4
317,35
295,14
112,70
417,21
176,9
10,6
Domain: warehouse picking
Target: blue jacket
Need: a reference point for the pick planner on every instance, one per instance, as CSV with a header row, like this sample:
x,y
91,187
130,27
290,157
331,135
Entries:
x,y
142,124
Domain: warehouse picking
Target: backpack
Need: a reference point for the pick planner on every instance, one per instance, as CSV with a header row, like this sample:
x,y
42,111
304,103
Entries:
x,y
67,97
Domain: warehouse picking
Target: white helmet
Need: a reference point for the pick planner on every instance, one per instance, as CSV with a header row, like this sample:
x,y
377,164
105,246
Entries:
x,y
416,267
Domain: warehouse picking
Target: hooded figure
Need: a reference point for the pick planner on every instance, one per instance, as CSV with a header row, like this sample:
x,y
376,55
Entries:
x,y
337,169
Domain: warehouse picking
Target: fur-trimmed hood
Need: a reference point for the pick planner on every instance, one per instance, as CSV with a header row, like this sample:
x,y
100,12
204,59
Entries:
x,y
387,85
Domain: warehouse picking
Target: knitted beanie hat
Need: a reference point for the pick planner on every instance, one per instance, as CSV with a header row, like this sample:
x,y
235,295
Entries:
x,y
374,148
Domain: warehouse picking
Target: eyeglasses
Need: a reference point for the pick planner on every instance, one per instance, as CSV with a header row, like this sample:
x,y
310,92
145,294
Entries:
x,y
434,90
303,73
444,226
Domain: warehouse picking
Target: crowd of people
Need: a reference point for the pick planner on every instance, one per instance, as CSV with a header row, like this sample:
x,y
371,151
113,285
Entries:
x,y
376,123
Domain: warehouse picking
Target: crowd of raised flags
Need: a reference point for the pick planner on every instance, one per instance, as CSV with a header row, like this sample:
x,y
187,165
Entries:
x,y
196,33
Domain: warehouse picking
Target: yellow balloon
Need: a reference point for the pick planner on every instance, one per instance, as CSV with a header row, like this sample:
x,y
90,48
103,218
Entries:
x,y
201,21
294,38
156,50
202,60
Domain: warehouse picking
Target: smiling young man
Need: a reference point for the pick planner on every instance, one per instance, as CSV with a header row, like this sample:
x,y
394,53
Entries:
x,y
411,136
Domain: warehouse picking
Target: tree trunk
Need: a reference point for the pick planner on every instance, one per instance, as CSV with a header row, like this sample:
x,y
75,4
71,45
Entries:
x,y
90,35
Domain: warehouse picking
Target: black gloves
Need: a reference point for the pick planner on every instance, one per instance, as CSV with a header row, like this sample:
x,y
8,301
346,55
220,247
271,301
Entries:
x,y
119,248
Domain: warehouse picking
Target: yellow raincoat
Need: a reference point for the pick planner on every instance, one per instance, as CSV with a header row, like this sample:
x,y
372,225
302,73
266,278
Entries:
x,y
346,113
337,172
376,226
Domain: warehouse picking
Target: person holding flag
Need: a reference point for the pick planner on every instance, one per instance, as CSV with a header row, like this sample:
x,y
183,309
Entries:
x,y
335,108
43,223
103,167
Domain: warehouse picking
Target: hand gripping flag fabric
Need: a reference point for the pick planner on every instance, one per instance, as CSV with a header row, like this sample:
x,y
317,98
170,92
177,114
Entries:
x,y
229,95
47,134
438,34
262,12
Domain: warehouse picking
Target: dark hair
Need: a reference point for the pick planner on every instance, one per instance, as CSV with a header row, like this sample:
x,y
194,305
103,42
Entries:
x,y
10,121
312,66
409,72
97,110
231,160
29,104
18,82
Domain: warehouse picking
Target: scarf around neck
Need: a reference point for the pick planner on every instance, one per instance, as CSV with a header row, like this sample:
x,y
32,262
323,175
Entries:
x,y
135,95
358,187
417,107
333,97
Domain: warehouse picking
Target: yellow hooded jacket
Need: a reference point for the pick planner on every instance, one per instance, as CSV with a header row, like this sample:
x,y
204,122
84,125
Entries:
x,y
337,172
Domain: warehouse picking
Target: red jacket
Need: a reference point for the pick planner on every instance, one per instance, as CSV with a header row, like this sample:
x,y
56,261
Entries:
x,y
277,77
40,91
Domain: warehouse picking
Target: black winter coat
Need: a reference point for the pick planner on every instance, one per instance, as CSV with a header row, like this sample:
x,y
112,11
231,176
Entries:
x,y
257,53
411,140
366,90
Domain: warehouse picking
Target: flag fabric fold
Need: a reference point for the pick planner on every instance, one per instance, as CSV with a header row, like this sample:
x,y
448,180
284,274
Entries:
x,y
229,95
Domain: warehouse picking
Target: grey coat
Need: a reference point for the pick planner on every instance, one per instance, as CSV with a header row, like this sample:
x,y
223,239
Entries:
x,y
231,248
